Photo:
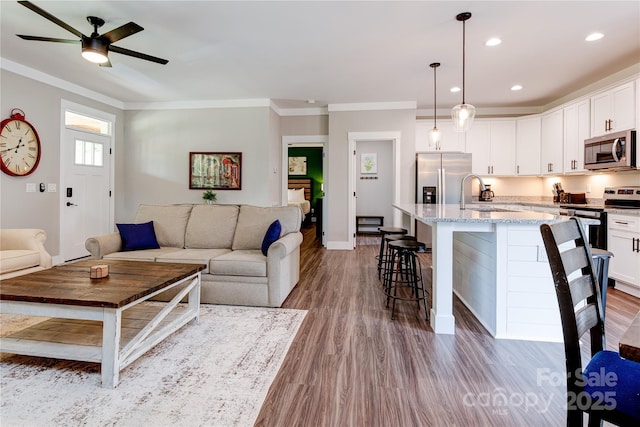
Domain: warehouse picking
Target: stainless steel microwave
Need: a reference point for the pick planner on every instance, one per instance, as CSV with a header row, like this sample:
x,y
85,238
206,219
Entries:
x,y
612,151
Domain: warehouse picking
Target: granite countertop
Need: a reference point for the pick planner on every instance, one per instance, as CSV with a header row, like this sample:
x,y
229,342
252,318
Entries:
x,y
479,213
549,204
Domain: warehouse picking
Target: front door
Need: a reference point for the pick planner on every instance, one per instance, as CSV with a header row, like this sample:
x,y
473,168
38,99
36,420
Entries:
x,y
86,190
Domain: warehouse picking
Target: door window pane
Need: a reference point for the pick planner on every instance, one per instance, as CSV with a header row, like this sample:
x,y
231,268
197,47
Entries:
x,y
86,123
89,153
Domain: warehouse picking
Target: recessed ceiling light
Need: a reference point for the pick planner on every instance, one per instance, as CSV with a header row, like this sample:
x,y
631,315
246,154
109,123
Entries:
x,y
594,36
455,89
516,87
493,42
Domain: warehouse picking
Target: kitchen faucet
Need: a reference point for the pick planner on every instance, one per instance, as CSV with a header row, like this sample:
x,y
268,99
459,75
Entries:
x,y
471,175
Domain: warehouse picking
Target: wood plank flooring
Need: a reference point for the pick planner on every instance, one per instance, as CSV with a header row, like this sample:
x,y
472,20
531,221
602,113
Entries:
x,y
351,365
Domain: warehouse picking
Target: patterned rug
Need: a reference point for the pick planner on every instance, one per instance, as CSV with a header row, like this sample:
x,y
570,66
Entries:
x,y
216,373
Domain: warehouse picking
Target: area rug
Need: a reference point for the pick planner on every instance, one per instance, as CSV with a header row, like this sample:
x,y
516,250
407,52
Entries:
x,y
216,373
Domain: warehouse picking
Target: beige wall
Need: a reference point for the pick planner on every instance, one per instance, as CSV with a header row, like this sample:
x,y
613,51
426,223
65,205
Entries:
x,y
157,149
336,188
305,125
41,104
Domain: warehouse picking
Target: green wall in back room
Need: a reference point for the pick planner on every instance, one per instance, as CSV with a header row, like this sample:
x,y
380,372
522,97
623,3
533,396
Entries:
x,y
314,168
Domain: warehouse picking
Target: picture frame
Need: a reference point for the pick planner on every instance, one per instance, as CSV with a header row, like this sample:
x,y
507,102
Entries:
x,y
369,163
215,170
297,165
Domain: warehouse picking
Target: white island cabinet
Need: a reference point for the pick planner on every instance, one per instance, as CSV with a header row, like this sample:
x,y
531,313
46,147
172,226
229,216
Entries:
x,y
495,262
624,241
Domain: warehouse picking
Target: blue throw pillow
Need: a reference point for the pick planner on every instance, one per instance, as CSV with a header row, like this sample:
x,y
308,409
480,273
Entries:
x,y
272,234
138,236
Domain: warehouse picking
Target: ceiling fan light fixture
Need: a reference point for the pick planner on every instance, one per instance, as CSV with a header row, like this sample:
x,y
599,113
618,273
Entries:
x,y
463,114
94,50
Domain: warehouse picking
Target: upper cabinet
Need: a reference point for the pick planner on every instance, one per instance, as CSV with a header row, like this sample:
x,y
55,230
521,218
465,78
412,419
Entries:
x,y
551,148
576,130
528,146
492,144
449,140
613,110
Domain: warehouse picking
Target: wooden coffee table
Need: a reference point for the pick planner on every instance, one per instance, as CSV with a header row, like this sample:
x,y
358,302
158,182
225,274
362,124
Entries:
x,y
99,320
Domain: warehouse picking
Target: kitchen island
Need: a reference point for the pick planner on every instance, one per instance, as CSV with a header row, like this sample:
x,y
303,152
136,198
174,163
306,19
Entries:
x,y
494,260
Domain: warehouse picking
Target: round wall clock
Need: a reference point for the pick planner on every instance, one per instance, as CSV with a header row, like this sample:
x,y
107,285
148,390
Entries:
x,y
19,145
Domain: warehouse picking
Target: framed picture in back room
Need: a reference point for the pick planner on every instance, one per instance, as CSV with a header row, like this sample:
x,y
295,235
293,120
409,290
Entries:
x,y
215,171
297,165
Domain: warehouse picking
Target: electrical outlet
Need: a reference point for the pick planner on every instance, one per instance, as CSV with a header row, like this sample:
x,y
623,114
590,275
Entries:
x,y
31,188
588,188
51,188
542,254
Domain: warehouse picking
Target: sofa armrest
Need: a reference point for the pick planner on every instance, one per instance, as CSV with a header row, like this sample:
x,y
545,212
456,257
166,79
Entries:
x,y
284,245
105,244
26,238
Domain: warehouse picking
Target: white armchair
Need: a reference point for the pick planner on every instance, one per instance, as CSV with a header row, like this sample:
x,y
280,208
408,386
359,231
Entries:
x,y
22,251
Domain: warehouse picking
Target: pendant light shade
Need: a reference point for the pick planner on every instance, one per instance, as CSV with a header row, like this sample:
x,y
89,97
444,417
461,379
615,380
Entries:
x,y
463,114
434,134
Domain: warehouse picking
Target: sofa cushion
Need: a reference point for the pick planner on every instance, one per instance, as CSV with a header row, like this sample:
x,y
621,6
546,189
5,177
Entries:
x,y
138,236
240,263
142,255
272,234
169,222
18,259
211,226
253,222
193,256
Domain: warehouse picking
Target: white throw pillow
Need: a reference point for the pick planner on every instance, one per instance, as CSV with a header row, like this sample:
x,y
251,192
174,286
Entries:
x,y
296,195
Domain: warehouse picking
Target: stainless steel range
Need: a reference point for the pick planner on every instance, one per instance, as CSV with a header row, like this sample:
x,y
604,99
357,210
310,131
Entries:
x,y
622,197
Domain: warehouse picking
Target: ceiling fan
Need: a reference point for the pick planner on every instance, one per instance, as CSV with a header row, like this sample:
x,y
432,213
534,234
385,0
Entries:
x,y
96,47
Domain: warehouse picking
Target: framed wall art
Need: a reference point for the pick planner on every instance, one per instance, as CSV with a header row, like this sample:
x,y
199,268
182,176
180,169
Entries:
x,y
215,171
369,163
297,165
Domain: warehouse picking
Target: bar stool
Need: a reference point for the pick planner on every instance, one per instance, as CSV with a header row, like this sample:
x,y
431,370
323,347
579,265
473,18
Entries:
x,y
383,232
383,263
404,270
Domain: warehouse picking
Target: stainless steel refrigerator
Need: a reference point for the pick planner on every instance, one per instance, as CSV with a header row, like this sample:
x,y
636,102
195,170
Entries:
x,y
438,179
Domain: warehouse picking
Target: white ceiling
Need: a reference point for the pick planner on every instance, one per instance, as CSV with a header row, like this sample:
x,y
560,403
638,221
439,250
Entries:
x,y
334,52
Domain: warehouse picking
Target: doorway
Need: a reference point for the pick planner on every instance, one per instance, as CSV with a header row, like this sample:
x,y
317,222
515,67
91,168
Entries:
x,y
393,138
319,182
86,207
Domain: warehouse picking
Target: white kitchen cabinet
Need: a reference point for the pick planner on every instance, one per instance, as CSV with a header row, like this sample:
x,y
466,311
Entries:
x,y
613,110
576,130
551,143
492,144
449,140
623,237
528,146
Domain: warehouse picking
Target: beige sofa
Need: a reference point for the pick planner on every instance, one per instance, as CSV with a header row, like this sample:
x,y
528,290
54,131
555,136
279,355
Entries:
x,y
22,251
227,239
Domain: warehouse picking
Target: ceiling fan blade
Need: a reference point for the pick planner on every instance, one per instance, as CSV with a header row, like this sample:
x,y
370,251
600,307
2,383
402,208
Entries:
x,y
121,32
50,17
47,39
139,55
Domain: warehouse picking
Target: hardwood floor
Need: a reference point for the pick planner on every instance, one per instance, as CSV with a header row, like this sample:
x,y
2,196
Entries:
x,y
351,365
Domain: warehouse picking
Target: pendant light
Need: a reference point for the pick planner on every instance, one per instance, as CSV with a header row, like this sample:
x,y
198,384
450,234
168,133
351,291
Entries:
x,y
463,114
434,134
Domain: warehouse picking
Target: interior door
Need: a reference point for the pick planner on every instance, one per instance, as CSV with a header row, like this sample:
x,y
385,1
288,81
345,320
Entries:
x,y
86,192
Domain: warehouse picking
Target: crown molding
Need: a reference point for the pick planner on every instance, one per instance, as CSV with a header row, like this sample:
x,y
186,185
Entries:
x,y
371,106
185,105
33,74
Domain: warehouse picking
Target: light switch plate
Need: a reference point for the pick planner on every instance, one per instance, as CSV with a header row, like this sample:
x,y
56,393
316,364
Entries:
x,y
51,188
31,187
